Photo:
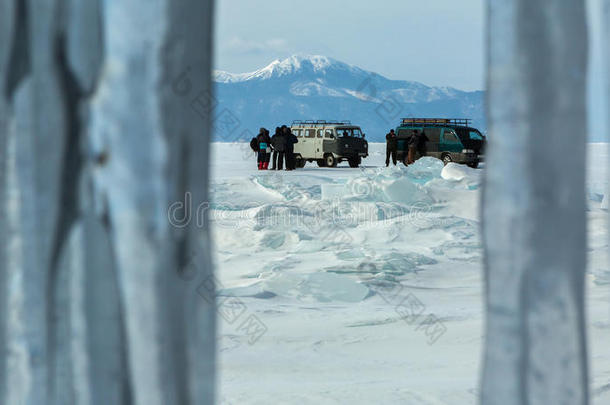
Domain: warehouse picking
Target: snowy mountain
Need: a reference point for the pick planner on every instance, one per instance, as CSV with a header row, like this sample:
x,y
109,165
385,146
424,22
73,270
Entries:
x,y
318,87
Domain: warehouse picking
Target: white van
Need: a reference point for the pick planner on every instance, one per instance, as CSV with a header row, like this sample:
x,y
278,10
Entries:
x,y
328,143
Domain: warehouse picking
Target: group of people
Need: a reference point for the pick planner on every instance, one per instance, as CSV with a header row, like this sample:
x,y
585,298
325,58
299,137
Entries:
x,y
277,148
416,144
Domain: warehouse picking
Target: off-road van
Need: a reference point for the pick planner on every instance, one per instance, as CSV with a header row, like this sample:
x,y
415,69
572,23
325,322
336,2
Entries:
x,y
328,143
450,139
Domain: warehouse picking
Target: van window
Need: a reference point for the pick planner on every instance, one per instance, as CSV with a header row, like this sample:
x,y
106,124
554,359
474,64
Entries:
x,y
310,133
341,132
328,133
296,132
349,132
407,132
449,136
476,135
319,133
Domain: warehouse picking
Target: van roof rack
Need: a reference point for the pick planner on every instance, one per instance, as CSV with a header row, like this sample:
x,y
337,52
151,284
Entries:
x,y
320,122
437,121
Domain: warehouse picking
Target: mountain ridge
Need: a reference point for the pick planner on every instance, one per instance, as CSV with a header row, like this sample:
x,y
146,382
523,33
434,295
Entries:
x,y
320,87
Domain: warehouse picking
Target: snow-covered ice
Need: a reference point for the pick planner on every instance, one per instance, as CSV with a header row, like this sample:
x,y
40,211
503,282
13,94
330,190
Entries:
x,y
366,284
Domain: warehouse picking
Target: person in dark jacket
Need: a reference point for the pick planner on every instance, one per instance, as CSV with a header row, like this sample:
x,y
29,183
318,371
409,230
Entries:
x,y
289,153
254,147
390,148
278,143
264,148
421,144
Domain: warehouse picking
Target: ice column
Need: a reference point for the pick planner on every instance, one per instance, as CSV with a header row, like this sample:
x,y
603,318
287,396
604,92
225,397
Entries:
x,y
533,211
98,138
533,207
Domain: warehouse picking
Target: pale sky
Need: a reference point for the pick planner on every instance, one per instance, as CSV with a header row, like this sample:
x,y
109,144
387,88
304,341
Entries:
x,y
400,39
435,42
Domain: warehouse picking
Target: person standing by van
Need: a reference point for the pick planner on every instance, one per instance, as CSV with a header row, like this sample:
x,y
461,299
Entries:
x,y
413,140
421,144
290,141
264,149
278,142
390,148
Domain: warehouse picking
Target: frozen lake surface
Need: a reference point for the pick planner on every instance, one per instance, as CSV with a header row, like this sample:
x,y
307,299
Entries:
x,y
365,285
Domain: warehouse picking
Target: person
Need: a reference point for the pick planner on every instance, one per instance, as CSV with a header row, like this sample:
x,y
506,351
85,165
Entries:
x,y
254,146
289,147
264,146
390,148
278,142
421,144
269,149
412,147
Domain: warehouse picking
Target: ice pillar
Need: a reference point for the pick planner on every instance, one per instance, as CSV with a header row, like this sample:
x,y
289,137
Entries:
x,y
533,211
96,143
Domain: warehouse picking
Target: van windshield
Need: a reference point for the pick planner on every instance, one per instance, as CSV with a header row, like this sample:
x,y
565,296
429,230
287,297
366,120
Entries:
x,y
350,132
476,135
466,134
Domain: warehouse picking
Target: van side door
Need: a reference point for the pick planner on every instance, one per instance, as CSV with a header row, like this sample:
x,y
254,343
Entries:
x,y
328,142
402,140
434,139
319,143
308,139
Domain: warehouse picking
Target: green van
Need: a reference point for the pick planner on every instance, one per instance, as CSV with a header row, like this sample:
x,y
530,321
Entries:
x,y
450,139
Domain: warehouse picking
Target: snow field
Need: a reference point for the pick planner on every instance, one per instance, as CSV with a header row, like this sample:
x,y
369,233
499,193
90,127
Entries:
x,y
368,281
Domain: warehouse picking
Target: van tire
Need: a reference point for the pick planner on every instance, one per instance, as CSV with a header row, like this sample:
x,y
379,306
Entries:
x,y
300,162
330,161
446,158
405,160
354,162
474,165
320,163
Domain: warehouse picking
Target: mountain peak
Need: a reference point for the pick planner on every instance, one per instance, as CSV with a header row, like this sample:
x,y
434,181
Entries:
x,y
278,68
316,61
